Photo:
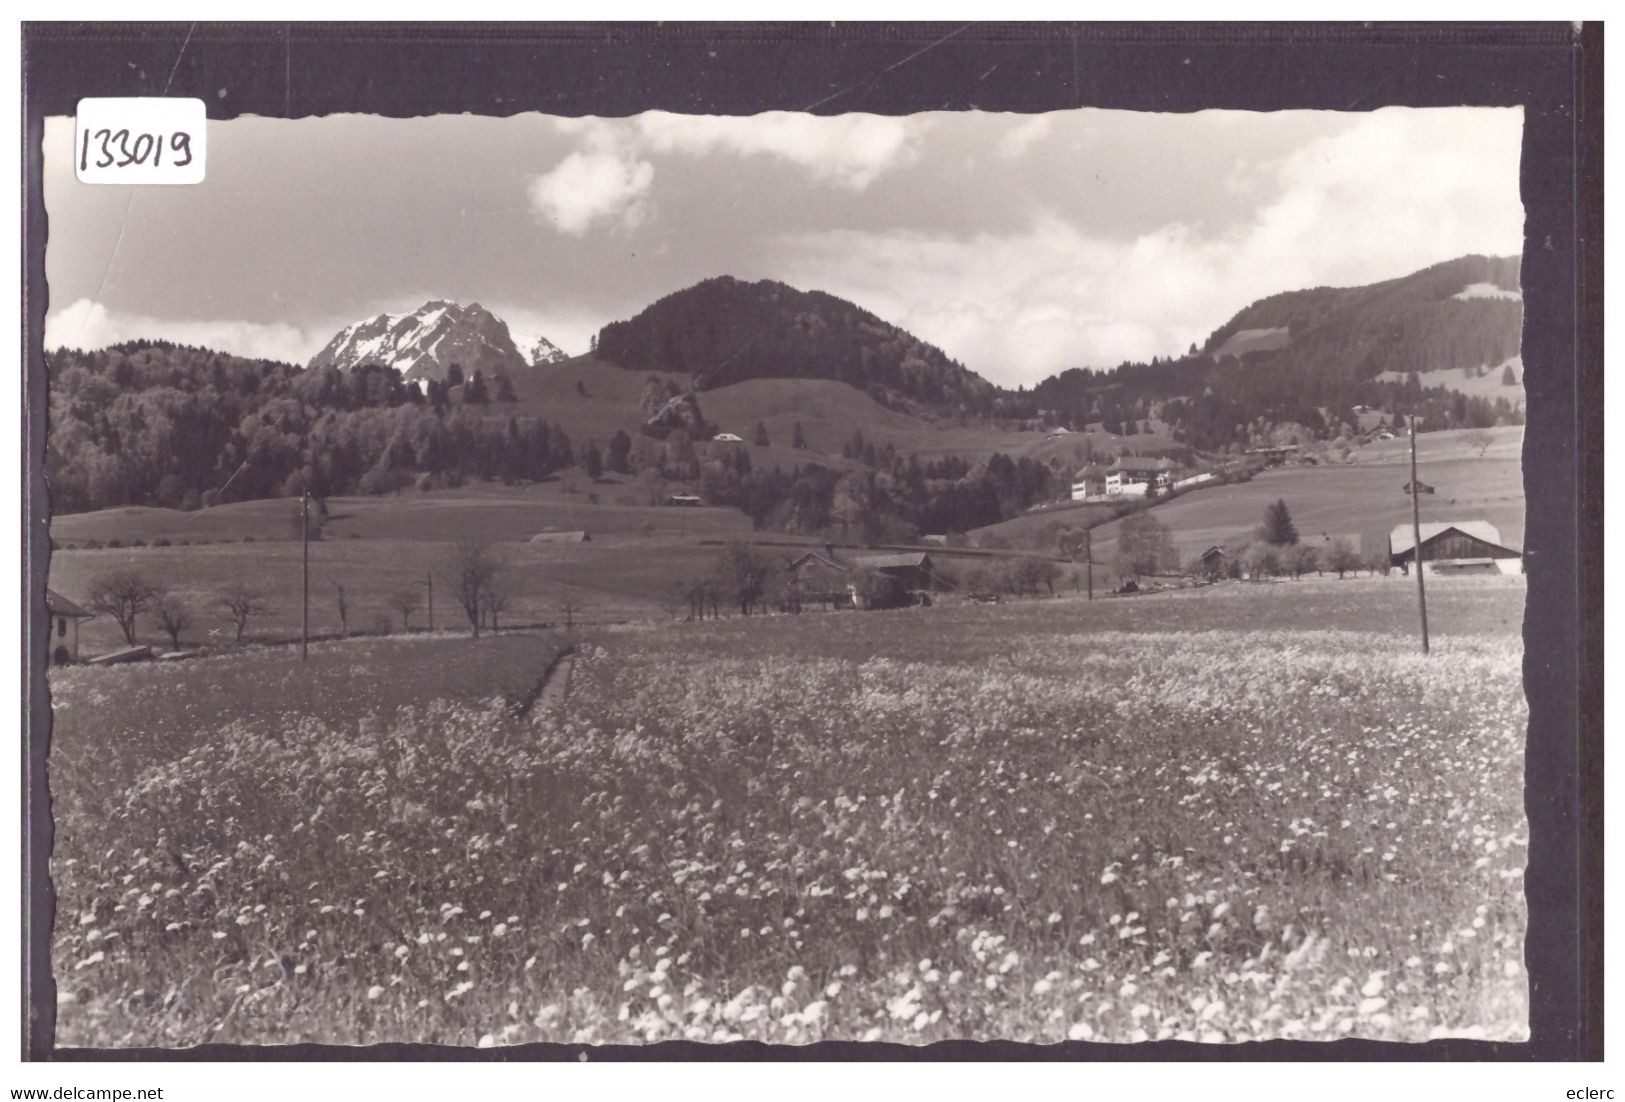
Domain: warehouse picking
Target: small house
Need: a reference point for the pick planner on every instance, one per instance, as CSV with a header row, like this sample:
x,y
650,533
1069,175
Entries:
x,y
64,619
728,438
1454,547
685,500
561,537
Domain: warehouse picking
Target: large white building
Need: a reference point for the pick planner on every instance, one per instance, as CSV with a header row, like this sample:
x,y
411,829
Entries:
x,y
1137,476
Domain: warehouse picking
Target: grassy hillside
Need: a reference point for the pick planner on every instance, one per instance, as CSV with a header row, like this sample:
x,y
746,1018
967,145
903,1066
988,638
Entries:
x,y
1363,499
828,412
1419,322
1487,385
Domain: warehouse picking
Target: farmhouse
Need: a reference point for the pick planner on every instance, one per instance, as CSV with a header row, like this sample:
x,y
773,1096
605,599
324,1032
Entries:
x,y
821,578
1455,547
728,438
689,500
65,617
1136,476
862,581
1089,484
904,579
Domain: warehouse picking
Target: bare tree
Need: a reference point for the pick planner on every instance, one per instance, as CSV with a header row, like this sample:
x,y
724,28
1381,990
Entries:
x,y
1302,559
343,605
1480,439
742,572
124,595
406,601
1342,557
568,607
173,617
239,603
673,598
470,568
496,598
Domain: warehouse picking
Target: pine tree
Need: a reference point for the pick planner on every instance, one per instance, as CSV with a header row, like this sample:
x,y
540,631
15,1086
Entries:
x,y
797,440
1278,528
620,446
761,435
1507,377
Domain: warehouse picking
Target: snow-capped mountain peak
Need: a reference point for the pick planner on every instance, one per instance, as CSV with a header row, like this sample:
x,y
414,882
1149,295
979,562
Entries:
x,y
426,342
538,350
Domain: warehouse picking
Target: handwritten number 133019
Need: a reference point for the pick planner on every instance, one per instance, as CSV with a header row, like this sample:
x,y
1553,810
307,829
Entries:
x,y
117,148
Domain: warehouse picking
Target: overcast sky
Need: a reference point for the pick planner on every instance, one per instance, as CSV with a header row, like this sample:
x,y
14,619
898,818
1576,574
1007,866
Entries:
x,y
1021,245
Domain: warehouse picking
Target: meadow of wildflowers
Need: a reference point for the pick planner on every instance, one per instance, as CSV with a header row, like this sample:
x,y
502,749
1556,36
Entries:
x,y
1231,814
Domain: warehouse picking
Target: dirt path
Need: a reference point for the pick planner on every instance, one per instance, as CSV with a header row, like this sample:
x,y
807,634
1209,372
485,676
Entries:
x,y
557,682
550,690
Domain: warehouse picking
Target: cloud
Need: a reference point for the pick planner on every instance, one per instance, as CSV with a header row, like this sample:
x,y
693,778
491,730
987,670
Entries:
x,y
590,187
88,324
1395,192
1019,138
851,151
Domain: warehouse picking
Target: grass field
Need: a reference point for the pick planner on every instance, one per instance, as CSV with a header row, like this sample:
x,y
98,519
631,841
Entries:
x,y
1204,815
484,508
1364,499
113,723
606,580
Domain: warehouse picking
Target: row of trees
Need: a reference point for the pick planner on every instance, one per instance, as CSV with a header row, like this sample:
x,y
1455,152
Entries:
x,y
125,596
479,578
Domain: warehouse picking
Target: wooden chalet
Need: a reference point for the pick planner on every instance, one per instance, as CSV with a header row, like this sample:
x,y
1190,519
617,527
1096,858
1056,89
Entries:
x,y
1454,547
830,579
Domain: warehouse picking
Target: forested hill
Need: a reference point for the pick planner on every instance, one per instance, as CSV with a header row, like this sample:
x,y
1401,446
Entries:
x,y
157,423
1466,312
1303,361
725,331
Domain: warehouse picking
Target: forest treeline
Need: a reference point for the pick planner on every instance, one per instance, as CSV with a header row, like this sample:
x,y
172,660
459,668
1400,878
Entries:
x,y
153,423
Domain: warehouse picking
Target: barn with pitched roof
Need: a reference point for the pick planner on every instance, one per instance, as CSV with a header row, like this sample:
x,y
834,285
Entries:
x,y
1454,547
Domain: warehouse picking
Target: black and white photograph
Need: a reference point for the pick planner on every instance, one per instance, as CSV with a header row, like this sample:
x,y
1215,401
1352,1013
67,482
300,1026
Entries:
x,y
945,576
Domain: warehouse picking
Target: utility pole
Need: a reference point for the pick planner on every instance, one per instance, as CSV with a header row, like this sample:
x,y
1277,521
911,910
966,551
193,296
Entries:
x,y
1416,539
430,577
1089,559
304,552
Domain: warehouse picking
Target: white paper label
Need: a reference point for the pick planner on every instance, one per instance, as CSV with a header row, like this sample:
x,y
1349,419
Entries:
x,y
140,140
